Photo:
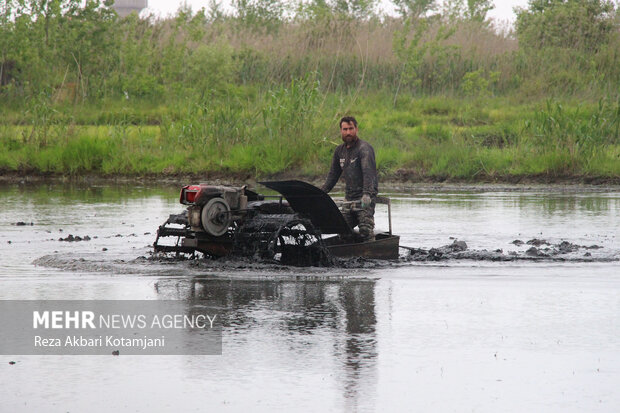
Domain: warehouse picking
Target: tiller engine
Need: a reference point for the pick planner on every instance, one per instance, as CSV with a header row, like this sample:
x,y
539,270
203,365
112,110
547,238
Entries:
x,y
223,220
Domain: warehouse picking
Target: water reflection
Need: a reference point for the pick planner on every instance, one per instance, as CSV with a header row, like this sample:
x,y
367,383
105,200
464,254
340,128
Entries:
x,y
83,192
339,315
547,203
361,343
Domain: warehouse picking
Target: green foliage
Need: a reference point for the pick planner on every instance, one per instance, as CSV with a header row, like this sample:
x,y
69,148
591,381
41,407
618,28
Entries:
x,y
414,8
82,52
572,24
436,133
437,106
491,136
477,9
37,34
472,10
579,130
226,133
259,15
289,110
260,91
346,10
358,9
478,83
135,77
210,68
414,48
388,160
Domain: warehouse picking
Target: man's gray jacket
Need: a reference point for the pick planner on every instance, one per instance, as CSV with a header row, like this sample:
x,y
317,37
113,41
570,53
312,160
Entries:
x,y
359,168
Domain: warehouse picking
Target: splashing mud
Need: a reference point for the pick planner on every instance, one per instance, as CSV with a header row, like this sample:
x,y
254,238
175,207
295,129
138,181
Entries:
x,y
156,264
457,251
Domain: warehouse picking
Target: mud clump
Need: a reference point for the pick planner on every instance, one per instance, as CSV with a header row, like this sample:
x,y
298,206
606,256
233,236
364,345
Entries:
x,y
438,254
535,252
76,238
455,252
565,247
537,242
360,263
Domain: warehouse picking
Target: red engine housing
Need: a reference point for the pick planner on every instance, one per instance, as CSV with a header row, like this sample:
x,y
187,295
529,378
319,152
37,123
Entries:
x,y
189,193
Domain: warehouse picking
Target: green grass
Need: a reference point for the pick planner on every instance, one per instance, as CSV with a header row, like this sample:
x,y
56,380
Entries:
x,y
266,133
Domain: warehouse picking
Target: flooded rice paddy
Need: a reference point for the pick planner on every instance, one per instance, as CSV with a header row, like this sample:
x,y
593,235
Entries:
x,y
497,326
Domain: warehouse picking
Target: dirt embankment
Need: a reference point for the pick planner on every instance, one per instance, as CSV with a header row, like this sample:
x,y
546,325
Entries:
x,y
402,179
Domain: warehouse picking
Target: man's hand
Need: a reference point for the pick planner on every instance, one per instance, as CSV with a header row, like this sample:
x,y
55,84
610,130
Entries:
x,y
366,201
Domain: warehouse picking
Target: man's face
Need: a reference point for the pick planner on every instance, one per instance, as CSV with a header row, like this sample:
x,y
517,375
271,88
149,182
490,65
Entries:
x,y
348,131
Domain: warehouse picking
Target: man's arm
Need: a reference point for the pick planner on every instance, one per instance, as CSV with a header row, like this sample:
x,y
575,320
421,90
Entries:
x,y
369,171
334,173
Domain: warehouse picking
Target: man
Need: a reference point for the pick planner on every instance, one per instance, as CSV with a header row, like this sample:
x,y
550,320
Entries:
x,y
355,160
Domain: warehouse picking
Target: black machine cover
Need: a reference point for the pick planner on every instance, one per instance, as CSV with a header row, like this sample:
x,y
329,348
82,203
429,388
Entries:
x,y
311,201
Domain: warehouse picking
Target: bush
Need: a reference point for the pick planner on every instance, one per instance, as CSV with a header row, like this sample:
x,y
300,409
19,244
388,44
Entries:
x,y
211,69
571,24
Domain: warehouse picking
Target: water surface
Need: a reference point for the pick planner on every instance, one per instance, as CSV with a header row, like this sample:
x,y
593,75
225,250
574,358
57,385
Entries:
x,y
433,336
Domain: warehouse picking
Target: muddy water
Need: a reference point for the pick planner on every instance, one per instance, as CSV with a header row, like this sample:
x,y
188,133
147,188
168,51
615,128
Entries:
x,y
462,334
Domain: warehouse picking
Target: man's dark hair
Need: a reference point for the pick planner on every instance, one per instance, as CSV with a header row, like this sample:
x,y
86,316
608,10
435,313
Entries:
x,y
348,119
